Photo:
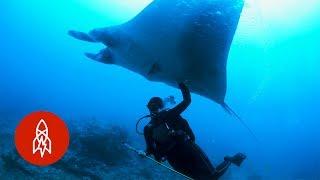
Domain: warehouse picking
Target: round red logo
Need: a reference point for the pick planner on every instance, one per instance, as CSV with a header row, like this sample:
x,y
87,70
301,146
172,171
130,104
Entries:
x,y
42,138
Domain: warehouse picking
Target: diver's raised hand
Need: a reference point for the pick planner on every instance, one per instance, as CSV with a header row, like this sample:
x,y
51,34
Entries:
x,y
185,90
184,84
186,100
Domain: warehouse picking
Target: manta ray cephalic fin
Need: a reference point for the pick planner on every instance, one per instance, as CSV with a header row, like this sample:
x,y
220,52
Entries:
x,y
104,56
81,36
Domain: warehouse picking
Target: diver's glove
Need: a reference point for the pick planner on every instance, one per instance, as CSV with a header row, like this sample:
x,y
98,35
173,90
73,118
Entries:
x,y
182,85
185,91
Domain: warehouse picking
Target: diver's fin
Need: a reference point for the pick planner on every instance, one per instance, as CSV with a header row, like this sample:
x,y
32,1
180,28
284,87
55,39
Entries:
x,y
235,115
81,36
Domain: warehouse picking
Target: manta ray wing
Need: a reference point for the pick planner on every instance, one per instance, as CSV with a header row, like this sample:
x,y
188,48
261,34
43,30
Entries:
x,y
174,40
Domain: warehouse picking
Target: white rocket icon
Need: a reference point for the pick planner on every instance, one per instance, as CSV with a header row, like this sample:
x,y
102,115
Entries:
x,y
42,142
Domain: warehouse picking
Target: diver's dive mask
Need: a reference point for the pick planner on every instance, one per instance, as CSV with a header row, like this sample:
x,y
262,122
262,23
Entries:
x,y
154,104
157,103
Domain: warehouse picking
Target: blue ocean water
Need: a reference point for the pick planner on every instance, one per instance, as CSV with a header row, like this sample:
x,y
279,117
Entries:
x,y
273,82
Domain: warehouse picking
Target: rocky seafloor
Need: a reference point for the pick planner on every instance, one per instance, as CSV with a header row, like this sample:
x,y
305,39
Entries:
x,y
95,152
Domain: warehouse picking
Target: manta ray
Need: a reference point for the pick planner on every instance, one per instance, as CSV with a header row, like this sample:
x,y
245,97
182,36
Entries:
x,y
173,41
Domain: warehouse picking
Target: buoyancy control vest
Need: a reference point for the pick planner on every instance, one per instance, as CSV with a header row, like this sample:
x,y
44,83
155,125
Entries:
x,y
162,133
165,134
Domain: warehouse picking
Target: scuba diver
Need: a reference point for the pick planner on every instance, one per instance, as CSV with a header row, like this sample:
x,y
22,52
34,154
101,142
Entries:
x,y
169,137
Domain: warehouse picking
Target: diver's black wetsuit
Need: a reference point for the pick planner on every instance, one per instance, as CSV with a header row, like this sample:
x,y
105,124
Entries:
x,y
179,147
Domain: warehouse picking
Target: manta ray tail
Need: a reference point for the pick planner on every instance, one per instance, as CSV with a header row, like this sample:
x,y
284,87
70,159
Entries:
x,y
81,36
236,116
